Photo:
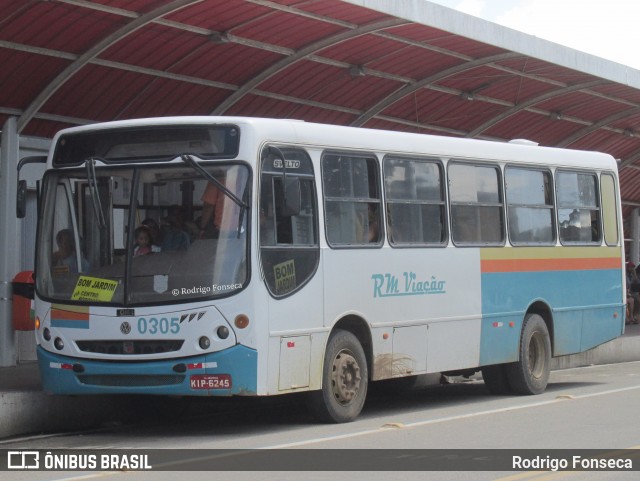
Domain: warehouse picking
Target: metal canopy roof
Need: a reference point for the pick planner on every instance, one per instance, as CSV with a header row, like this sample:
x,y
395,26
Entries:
x,y
387,64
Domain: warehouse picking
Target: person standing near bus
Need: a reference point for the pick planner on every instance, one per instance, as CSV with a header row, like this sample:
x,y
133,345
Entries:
x,y
633,298
218,212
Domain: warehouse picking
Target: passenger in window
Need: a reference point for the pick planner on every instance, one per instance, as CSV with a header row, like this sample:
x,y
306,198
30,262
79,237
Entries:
x,y
595,230
374,227
142,236
192,227
391,231
571,228
367,229
154,232
65,258
175,237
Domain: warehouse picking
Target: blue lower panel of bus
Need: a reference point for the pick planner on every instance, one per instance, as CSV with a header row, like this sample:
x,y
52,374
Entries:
x,y
584,315
225,373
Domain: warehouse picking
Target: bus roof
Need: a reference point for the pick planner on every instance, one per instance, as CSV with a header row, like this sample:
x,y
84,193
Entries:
x,y
326,136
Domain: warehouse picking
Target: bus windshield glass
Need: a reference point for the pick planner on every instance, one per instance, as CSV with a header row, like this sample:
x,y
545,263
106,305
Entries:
x,y
143,235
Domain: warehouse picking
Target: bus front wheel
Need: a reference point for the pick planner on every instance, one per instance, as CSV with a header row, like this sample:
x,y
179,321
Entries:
x,y
530,374
344,380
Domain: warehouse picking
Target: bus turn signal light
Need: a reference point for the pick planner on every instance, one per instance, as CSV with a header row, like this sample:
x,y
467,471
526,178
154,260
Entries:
x,y
241,321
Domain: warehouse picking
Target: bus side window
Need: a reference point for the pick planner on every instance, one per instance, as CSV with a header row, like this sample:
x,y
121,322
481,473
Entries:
x,y
578,208
530,206
352,200
476,204
415,202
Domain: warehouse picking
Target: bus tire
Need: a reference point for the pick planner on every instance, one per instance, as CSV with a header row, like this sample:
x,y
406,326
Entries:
x,y
344,380
495,379
530,374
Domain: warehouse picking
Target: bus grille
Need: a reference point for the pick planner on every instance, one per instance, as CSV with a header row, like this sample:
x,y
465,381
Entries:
x,y
128,380
130,348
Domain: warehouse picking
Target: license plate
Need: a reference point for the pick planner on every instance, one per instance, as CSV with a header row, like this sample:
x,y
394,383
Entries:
x,y
210,381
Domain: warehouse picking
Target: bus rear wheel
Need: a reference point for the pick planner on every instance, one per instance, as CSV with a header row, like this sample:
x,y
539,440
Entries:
x,y
530,374
344,380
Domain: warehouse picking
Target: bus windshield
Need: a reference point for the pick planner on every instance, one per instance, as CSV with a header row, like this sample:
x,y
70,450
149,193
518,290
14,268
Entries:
x,y
143,234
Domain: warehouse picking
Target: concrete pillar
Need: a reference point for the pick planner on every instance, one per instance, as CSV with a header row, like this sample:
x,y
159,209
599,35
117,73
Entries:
x,y
634,254
9,238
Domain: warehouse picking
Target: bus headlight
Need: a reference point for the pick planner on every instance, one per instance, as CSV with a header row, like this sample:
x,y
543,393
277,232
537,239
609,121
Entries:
x,y
46,334
204,342
59,344
223,332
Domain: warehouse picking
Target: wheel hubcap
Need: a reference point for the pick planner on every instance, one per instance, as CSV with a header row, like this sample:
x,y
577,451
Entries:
x,y
345,377
536,355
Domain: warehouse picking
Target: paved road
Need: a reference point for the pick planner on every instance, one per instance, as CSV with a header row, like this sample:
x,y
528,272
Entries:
x,y
587,408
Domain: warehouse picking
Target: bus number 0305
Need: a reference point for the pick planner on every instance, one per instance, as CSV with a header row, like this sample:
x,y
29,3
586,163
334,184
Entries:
x,y
163,325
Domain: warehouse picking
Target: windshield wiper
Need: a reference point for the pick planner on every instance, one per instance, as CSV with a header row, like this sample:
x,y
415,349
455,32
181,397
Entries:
x,y
90,165
243,210
189,159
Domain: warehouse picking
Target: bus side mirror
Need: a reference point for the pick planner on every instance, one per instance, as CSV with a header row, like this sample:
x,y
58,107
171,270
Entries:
x,y
21,190
292,201
21,199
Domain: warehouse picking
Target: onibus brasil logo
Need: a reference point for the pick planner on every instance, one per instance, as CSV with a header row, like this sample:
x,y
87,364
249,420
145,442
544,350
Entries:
x,y
72,461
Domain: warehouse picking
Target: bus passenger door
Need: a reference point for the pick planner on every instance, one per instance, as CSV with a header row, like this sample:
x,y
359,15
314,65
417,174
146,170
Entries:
x,y
290,256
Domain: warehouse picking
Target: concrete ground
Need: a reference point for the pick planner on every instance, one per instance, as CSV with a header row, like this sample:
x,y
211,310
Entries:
x,y
25,409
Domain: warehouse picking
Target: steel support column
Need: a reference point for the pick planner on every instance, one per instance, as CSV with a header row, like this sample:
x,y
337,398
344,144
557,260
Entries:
x,y
634,247
9,238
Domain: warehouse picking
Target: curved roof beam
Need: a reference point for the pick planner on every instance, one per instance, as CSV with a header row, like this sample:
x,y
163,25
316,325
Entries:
x,y
528,103
597,125
629,162
412,87
299,55
85,58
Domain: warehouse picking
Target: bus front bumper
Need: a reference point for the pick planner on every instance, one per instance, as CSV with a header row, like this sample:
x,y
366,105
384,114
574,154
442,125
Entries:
x,y
224,373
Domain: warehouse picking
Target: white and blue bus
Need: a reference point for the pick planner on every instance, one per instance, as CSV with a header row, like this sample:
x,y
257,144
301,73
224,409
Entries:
x,y
289,256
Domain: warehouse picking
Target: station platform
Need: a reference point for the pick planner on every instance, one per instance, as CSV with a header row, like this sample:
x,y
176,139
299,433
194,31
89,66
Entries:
x,y
26,410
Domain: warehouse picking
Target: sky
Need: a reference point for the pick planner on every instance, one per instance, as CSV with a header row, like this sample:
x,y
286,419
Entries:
x,y
606,28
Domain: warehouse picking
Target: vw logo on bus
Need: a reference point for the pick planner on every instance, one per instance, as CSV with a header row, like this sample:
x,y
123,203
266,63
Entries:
x,y
125,328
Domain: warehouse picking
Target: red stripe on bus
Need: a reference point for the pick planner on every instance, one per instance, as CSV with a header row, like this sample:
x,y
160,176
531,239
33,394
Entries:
x,y
538,265
69,315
